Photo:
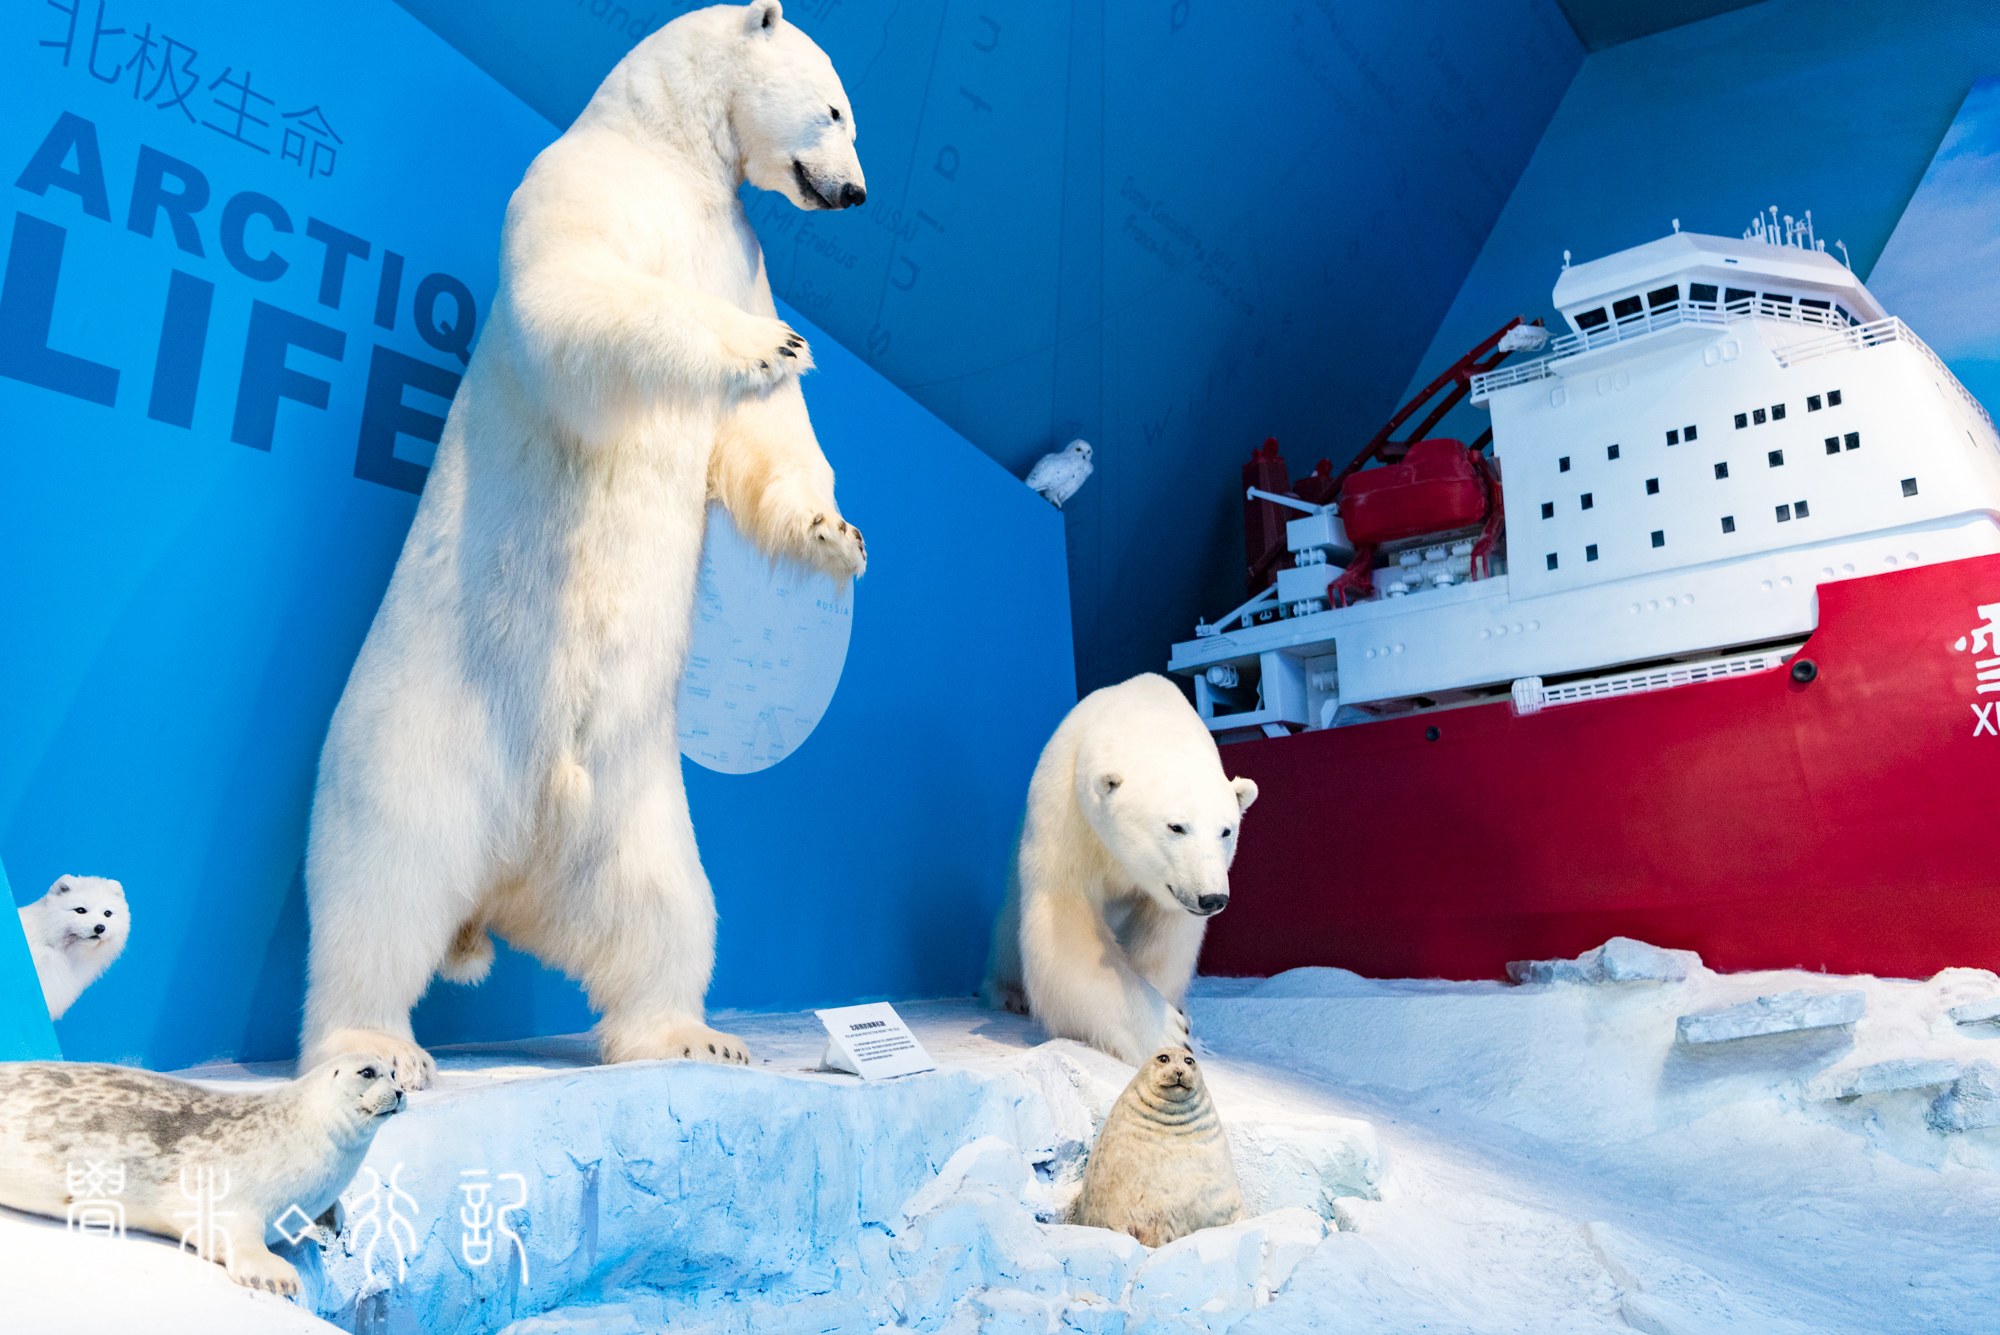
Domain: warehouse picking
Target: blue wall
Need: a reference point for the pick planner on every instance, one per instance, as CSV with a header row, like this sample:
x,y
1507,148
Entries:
x,y
25,1031
188,579
1171,227
1831,105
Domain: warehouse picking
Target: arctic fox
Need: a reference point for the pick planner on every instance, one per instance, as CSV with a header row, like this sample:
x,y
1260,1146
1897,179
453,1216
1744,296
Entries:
x,y
74,932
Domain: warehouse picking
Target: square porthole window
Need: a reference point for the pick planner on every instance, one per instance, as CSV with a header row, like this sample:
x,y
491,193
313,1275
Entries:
x,y
1742,420
1909,486
1833,398
1777,412
1687,433
1784,514
1611,451
1659,537
1833,444
1590,552
1799,509
1552,560
1812,403
1652,486
1729,523
1673,438
1757,416
1854,440
1548,509
1721,472
1562,464
1776,458
1587,501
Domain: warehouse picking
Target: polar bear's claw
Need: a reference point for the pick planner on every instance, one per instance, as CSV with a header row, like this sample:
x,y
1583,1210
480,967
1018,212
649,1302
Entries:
x,y
837,547
266,1273
409,1065
758,353
690,1042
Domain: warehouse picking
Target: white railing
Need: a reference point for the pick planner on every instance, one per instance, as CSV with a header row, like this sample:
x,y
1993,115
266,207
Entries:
x,y
1652,679
1239,618
1706,313
1856,337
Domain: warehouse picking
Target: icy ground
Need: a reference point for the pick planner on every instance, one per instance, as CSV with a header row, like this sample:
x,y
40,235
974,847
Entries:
x,y
1547,1157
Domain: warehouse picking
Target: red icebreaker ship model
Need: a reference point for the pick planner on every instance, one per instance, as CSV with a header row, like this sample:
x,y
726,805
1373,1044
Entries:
x,y
1723,673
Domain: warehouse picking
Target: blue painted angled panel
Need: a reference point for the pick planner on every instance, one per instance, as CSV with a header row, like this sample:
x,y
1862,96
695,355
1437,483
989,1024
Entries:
x,y
25,1032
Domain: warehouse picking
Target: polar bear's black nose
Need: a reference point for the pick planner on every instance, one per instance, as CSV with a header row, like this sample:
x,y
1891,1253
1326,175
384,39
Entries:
x,y
1212,903
852,194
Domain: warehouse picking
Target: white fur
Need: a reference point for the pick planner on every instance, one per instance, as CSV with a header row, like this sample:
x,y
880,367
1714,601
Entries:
x,y
74,933
1108,902
505,753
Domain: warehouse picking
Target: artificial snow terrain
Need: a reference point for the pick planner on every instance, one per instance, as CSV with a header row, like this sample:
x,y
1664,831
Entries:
x,y
1443,1157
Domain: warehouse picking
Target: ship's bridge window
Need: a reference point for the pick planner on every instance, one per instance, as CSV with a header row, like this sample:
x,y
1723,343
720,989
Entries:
x,y
1735,294
1779,297
1591,319
1625,307
1816,304
1845,315
1702,292
1665,296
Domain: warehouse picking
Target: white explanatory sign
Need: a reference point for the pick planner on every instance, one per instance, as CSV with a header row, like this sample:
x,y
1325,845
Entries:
x,y
765,655
872,1042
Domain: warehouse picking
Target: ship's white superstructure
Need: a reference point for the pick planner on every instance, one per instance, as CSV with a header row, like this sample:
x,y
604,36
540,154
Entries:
x,y
1728,424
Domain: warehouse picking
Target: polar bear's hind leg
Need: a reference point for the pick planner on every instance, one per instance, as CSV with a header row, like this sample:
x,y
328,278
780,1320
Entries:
x,y
635,921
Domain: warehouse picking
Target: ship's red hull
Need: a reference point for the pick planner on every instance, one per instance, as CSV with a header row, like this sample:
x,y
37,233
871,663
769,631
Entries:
x,y
1851,823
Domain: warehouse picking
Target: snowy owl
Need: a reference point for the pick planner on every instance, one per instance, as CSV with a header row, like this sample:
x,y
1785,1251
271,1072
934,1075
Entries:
x,y
1057,476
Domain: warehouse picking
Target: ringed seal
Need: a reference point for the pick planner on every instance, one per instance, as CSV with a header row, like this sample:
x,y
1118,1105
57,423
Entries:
x,y
166,1145
1161,1168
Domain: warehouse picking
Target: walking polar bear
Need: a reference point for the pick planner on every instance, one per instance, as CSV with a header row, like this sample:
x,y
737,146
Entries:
x,y
505,755
1123,857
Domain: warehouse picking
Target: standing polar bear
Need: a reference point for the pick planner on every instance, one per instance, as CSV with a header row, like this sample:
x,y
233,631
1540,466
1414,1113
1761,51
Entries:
x,y
1124,855
505,754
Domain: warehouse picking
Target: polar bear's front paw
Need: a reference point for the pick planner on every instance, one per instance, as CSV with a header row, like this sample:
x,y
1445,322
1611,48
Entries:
x,y
758,353
264,1271
409,1065
690,1042
836,546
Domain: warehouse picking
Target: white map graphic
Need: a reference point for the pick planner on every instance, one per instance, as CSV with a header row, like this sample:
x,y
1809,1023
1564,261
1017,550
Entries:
x,y
768,647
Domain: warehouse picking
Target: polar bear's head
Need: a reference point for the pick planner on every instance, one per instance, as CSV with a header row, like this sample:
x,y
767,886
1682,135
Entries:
x,y
1170,819
792,119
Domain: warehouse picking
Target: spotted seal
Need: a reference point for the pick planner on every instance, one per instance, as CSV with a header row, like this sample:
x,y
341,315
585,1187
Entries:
x,y
1161,1168
156,1149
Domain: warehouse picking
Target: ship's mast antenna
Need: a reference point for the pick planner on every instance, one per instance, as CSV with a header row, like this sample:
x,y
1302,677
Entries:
x,y
1565,261
1844,256
1677,226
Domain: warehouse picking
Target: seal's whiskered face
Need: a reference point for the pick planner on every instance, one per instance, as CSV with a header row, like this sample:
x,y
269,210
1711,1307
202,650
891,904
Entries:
x,y
1173,1075
366,1084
